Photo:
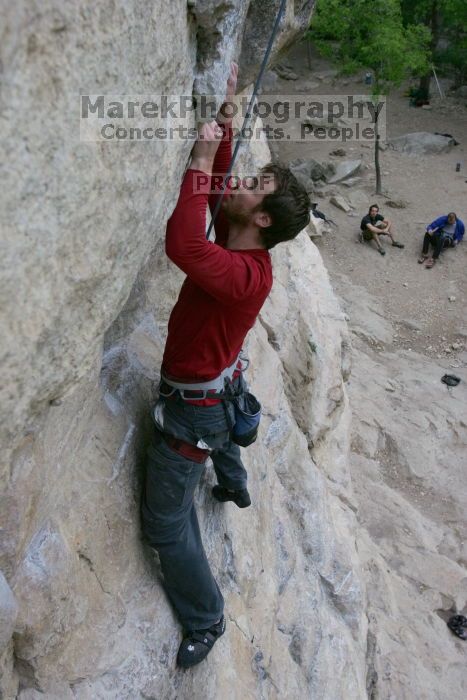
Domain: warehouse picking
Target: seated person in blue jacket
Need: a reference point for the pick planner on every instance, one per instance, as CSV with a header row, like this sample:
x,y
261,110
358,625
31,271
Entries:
x,y
444,232
374,225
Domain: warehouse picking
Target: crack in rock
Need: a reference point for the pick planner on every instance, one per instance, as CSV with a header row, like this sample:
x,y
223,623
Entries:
x,y
90,565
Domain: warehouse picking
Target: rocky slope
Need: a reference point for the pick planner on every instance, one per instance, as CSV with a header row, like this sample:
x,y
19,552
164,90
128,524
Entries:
x,y
409,433
87,291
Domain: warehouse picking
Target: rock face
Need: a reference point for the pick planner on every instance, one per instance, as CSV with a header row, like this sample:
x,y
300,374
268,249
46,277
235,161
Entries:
x,y
87,292
85,216
412,530
86,295
69,254
93,620
218,43
259,22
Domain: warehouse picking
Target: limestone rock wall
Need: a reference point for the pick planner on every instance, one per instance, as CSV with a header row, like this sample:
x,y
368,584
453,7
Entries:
x,y
86,293
412,532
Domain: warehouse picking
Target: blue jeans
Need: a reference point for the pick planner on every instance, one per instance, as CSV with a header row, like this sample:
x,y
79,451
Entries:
x,y
170,524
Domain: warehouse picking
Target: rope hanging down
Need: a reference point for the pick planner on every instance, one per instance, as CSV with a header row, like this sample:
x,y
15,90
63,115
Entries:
x,y
249,111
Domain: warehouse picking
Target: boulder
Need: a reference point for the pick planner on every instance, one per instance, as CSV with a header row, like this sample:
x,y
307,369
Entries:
x,y
422,143
321,171
300,167
327,74
327,120
317,227
341,203
359,200
351,182
307,182
285,72
310,85
311,168
344,170
269,83
397,203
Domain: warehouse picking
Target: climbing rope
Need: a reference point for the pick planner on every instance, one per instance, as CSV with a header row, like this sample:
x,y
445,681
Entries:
x,y
249,111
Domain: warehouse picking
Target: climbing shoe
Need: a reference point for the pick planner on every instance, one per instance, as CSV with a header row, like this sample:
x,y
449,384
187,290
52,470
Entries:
x,y
458,625
197,644
396,244
381,251
241,498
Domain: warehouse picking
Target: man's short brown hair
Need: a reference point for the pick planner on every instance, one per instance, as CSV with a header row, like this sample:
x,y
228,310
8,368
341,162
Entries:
x,y
288,206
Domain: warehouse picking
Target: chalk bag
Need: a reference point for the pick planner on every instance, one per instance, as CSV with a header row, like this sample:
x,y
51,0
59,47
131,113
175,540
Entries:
x,y
247,418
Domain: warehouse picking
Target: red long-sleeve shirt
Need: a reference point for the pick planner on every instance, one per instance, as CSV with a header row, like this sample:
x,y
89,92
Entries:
x,y
224,289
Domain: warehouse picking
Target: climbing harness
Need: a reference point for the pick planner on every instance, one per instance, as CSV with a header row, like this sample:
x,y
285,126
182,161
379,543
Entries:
x,y
228,388
248,113
213,388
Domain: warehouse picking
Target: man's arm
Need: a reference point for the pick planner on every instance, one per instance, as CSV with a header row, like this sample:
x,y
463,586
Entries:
x,y
219,170
437,224
223,158
223,274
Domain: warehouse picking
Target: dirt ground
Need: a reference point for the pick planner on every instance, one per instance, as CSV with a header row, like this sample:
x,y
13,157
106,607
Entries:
x,y
415,300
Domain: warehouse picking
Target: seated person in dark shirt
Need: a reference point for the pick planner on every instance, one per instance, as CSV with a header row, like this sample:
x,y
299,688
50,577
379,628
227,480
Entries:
x,y
444,232
374,225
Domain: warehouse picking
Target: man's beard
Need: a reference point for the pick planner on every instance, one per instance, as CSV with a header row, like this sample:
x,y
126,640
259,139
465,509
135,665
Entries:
x,y
236,215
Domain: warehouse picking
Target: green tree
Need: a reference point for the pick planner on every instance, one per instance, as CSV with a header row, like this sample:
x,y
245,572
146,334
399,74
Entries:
x,y
446,21
426,12
451,54
371,35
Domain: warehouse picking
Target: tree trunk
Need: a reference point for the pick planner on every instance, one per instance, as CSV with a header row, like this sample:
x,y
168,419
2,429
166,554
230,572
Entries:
x,y
310,64
432,21
424,86
377,163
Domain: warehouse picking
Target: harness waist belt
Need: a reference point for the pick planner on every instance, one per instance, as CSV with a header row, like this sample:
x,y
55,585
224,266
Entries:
x,y
196,454
216,384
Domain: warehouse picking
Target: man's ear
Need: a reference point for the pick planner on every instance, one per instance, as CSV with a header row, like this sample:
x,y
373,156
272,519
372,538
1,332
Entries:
x,y
262,219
